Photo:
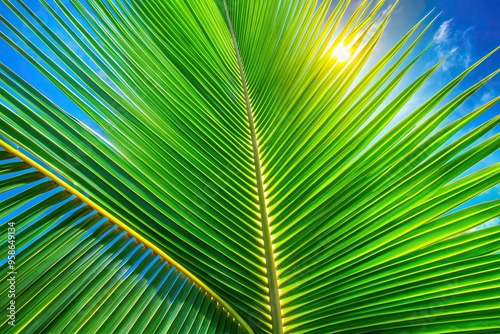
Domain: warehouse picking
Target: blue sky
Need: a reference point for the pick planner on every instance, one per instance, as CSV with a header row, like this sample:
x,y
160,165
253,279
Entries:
x,y
471,27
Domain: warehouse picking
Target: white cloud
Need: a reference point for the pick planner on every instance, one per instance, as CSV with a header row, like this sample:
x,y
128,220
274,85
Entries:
x,y
490,223
441,36
481,99
447,41
386,11
486,97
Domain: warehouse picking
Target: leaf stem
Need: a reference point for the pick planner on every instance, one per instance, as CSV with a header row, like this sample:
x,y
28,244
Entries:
x,y
277,318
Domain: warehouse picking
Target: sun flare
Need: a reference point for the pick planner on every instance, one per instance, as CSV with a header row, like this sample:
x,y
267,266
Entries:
x,y
342,53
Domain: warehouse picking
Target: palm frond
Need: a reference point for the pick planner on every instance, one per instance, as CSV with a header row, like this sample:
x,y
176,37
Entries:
x,y
92,272
230,139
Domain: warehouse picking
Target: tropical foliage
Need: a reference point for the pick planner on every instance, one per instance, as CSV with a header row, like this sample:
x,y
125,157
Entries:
x,y
231,175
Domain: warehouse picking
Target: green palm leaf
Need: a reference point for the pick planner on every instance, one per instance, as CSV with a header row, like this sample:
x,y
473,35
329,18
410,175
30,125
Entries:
x,y
90,274
243,154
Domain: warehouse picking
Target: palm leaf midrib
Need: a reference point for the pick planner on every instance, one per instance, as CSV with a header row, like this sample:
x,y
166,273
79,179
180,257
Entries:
x,y
272,277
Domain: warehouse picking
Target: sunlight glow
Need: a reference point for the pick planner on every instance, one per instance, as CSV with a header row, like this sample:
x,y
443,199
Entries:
x,y
342,53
